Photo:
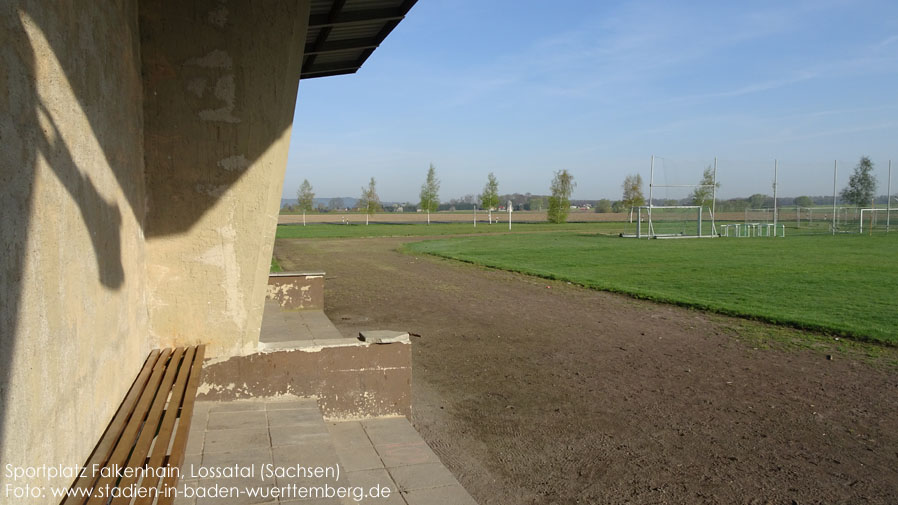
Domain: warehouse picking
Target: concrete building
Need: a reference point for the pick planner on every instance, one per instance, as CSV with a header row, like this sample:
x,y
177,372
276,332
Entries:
x,y
143,145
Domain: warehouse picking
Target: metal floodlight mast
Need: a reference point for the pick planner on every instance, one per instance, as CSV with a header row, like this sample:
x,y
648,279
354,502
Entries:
x,y
835,172
889,199
775,170
714,200
651,195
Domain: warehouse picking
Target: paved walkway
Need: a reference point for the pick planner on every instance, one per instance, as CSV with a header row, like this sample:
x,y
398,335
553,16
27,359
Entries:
x,y
245,440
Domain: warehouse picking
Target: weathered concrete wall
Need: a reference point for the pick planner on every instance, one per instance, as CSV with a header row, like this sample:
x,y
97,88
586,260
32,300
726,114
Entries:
x,y
220,84
351,379
297,291
73,314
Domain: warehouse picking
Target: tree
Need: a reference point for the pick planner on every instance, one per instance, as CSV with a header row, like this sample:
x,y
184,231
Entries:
x,y
861,185
632,187
803,201
430,200
336,204
537,203
560,202
369,202
757,201
305,199
490,196
705,191
603,206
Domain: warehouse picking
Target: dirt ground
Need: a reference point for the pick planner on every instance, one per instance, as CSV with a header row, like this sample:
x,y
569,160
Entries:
x,y
534,391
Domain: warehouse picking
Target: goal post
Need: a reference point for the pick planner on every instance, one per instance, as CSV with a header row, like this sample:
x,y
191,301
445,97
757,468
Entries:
x,y
678,211
872,216
668,221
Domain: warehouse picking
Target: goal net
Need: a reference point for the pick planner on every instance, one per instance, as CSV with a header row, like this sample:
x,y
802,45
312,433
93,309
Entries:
x,y
679,203
876,220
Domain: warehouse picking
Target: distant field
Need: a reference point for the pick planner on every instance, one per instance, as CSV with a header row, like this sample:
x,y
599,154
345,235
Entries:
x,y
328,230
844,284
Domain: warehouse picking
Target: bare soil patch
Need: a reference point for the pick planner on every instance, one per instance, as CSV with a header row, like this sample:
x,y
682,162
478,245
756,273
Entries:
x,y
534,391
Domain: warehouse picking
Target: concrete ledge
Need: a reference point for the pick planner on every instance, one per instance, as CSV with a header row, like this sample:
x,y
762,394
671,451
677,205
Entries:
x,y
297,290
350,378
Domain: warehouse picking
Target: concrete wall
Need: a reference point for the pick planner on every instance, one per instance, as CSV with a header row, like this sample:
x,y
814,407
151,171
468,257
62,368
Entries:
x,y
73,312
220,81
350,379
297,291
142,159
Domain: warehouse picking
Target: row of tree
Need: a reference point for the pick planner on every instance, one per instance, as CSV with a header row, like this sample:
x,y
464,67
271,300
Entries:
x,y
558,203
860,191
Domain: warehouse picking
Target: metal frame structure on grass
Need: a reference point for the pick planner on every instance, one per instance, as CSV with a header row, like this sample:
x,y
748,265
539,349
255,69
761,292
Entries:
x,y
651,206
888,212
651,231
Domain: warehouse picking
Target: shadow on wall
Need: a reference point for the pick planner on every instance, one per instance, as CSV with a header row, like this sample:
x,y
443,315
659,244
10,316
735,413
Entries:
x,y
31,138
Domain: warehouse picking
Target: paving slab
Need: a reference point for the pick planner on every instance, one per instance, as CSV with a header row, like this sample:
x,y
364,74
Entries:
x,y
235,420
292,437
304,403
413,470
389,430
298,434
236,440
195,439
294,417
423,476
242,459
235,406
377,479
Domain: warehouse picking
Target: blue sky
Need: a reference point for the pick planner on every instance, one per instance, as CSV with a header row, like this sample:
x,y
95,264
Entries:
x,y
523,88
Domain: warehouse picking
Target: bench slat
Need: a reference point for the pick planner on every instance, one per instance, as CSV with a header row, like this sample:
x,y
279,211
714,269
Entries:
x,y
180,443
143,430
166,428
129,436
113,432
148,430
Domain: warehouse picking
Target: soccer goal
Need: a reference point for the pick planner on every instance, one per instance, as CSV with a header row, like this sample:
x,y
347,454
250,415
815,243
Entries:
x,y
677,207
876,219
669,221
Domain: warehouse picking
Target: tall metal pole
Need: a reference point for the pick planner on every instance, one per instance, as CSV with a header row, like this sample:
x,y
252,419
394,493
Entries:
x,y
889,199
775,170
835,171
651,182
509,215
651,196
714,199
475,215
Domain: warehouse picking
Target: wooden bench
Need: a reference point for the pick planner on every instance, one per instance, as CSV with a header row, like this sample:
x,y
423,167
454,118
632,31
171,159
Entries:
x,y
148,433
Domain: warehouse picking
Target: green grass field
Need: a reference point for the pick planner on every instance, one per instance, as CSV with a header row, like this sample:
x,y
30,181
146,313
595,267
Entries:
x,y
328,230
844,284
275,266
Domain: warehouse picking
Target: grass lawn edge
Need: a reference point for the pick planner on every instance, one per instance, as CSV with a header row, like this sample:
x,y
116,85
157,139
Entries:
x,y
659,298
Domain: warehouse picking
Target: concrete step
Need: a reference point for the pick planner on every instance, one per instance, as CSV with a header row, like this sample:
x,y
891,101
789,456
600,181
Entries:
x,y
234,445
292,329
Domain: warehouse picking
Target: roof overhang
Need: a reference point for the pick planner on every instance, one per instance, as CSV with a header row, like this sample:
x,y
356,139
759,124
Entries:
x,y
343,33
